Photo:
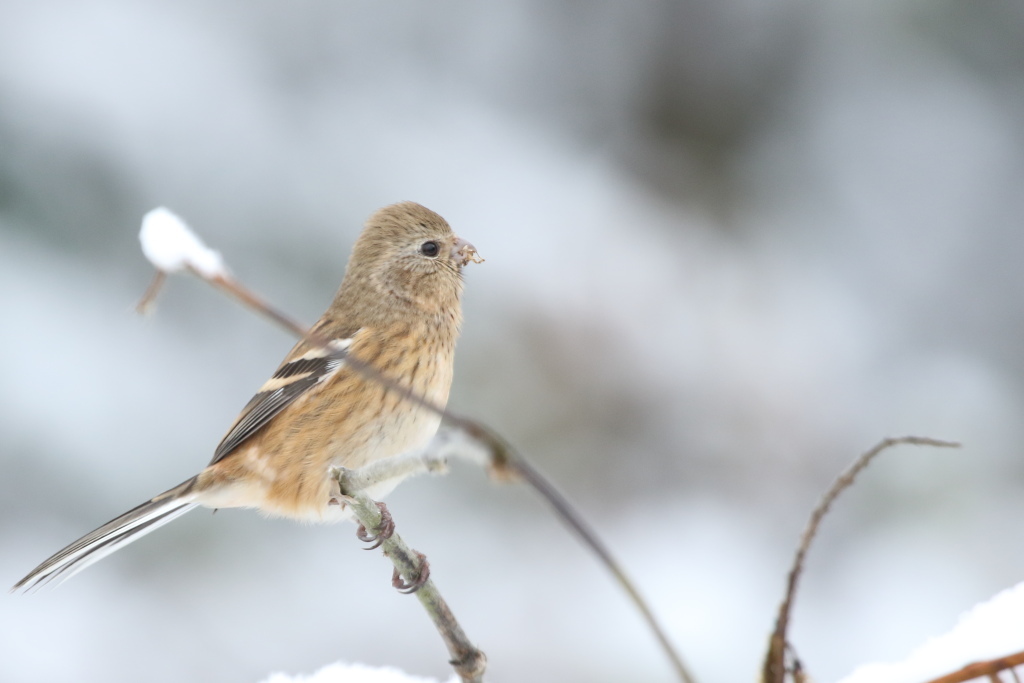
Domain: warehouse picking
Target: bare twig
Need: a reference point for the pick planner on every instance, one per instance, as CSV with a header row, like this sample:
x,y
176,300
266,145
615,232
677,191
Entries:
x,y
505,461
988,669
467,660
156,284
505,457
774,670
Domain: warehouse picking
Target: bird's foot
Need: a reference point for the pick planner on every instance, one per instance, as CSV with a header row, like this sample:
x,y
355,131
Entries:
x,y
422,576
383,532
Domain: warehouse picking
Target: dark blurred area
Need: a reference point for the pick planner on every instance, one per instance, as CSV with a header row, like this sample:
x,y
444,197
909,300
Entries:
x,y
730,245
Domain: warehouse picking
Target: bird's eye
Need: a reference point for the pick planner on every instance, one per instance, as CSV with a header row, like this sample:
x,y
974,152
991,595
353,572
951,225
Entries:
x,y
429,249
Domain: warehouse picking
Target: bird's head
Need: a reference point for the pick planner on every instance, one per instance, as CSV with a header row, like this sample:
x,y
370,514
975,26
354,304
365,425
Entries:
x,y
407,255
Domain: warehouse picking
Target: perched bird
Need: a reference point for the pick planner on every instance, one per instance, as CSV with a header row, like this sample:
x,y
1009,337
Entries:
x,y
397,310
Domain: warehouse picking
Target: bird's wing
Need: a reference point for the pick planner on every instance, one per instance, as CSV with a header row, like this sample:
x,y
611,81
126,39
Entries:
x,y
298,374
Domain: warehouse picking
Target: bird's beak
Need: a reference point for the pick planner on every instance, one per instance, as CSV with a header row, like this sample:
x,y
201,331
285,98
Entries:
x,y
463,252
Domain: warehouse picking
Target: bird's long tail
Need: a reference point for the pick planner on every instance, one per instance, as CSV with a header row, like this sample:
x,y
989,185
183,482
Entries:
x,y
112,536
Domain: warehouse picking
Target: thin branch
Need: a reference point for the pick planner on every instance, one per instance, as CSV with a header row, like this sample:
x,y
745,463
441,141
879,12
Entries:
x,y
505,461
156,284
508,460
989,669
506,457
468,661
775,662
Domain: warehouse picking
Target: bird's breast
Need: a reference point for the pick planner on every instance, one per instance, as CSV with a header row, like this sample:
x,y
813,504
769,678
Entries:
x,y
349,421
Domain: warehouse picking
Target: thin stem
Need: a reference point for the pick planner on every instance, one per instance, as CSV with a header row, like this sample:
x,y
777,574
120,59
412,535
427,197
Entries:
x,y
990,668
775,662
507,457
468,661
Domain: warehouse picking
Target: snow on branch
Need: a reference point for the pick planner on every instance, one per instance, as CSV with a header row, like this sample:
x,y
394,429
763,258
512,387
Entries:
x,y
171,246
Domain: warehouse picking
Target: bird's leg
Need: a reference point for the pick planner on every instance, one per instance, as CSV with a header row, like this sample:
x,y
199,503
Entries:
x,y
422,576
383,531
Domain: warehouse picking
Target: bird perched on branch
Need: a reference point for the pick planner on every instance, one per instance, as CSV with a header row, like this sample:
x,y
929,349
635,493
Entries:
x,y
397,311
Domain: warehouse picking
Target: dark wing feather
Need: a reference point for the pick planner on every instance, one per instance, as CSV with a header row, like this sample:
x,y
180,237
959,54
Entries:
x,y
292,379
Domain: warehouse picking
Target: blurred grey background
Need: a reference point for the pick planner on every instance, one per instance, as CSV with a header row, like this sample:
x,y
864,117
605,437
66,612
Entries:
x,y
730,245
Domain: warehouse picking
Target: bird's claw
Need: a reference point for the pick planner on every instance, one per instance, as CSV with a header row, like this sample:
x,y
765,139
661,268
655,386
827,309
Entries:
x,y
422,576
383,532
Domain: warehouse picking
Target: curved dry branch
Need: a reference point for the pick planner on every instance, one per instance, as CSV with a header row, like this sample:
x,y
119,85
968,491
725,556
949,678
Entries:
x,y
774,670
989,669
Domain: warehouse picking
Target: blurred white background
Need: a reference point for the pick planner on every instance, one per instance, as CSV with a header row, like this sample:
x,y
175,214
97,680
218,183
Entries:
x,y
730,245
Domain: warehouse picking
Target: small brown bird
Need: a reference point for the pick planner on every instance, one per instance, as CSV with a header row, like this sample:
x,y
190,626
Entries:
x,y
398,310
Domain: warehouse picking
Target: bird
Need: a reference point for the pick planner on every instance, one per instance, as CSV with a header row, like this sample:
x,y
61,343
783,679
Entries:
x,y
398,311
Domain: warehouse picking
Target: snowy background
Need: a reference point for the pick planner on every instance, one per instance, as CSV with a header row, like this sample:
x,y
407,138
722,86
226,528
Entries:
x,y
730,245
